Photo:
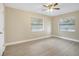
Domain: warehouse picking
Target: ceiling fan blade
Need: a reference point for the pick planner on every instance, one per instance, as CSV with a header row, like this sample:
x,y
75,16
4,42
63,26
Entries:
x,y
56,8
45,6
55,4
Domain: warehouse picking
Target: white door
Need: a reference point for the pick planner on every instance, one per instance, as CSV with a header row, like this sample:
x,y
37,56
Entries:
x,y
1,28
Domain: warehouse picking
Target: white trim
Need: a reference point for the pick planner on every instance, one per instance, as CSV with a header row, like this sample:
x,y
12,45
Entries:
x,y
66,38
2,50
14,43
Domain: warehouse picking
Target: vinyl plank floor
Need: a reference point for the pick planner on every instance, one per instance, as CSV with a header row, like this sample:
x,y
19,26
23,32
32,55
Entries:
x,y
44,47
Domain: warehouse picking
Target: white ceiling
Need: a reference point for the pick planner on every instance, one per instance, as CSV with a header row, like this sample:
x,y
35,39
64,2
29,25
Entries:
x,y
38,8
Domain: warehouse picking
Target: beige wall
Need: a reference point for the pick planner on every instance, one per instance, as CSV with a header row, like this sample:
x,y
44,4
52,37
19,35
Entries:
x,y
55,25
18,25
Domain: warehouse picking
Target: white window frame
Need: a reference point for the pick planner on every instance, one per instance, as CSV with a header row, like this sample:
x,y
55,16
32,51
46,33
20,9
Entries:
x,y
64,29
37,30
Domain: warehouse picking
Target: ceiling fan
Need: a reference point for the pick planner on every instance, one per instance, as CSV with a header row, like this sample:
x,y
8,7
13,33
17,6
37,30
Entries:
x,y
51,6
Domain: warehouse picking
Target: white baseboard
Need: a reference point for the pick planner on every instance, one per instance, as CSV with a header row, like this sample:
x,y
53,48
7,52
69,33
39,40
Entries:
x,y
66,38
14,43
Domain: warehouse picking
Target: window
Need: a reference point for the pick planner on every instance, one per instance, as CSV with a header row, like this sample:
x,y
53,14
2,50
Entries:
x,y
67,24
37,24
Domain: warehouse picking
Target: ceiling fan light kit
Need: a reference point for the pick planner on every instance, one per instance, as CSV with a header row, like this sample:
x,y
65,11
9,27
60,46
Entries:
x,y
51,6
